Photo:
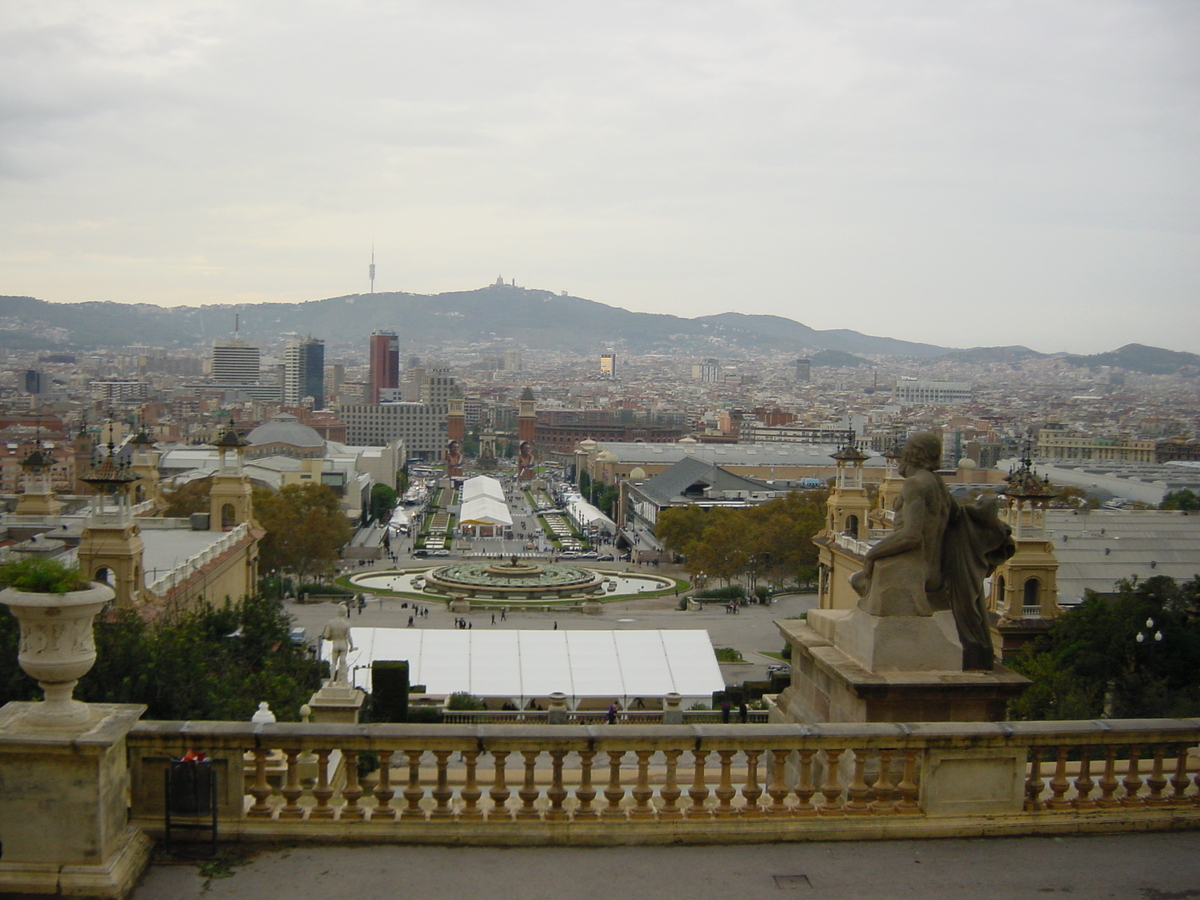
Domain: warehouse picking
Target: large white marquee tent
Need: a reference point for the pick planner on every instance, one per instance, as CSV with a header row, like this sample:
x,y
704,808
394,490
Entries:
x,y
520,666
483,503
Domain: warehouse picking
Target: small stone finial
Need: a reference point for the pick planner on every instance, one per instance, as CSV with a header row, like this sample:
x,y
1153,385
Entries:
x,y
305,713
263,715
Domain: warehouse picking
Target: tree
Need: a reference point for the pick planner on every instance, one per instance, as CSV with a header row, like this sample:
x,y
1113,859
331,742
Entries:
x,y
773,541
383,501
1071,496
1182,499
1091,663
305,527
190,497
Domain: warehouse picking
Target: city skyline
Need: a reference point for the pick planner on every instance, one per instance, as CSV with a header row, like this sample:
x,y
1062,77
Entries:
x,y
923,171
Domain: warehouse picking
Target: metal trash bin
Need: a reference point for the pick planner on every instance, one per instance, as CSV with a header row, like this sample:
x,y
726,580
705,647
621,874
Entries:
x,y
190,789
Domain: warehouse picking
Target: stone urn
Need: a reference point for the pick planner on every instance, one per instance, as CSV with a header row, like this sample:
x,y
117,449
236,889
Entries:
x,y
57,648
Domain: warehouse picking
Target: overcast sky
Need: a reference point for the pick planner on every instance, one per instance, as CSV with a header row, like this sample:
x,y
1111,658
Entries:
x,y
979,173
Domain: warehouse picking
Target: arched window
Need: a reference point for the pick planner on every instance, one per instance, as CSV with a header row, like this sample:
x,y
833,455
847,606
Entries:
x,y
104,575
1033,590
852,526
228,516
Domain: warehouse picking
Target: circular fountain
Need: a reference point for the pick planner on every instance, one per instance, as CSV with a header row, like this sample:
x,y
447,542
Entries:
x,y
513,580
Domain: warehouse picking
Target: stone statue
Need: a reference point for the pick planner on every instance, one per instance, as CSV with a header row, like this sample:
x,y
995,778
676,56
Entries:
x,y
937,555
337,632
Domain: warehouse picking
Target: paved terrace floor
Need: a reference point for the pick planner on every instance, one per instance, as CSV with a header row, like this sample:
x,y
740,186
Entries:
x,y
1144,866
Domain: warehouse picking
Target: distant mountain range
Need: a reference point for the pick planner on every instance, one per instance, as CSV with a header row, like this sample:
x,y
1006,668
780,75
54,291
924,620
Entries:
x,y
497,316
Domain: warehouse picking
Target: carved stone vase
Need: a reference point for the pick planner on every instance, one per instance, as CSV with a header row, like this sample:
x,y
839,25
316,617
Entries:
x,y
57,648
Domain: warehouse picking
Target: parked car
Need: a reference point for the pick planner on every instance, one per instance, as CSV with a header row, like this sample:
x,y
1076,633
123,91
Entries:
x,y
589,554
605,557
298,635
441,552
420,554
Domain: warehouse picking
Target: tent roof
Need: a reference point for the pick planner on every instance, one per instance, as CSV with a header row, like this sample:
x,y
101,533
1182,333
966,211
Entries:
x,y
523,665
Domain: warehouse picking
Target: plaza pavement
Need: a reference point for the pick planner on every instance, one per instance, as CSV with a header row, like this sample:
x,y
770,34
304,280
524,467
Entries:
x,y
751,631
1142,866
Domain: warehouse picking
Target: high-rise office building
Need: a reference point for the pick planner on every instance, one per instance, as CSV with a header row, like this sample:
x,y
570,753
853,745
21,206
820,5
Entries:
x,y
304,372
384,364
608,365
707,372
235,362
803,370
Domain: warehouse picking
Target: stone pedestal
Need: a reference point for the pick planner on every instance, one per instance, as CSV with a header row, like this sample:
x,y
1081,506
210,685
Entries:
x,y
337,703
848,666
64,825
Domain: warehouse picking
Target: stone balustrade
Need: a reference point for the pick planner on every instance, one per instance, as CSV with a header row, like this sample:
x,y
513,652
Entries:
x,y
611,784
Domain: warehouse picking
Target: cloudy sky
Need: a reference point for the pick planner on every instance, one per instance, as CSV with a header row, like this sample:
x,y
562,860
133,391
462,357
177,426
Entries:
x,y
979,173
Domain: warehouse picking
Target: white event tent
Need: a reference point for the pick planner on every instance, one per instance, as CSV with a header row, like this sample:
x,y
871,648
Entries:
x,y
483,504
519,666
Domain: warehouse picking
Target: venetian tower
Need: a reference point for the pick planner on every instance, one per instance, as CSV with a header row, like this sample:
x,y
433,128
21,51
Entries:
x,y
526,416
111,547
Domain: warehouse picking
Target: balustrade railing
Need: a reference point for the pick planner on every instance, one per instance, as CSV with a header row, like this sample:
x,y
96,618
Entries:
x,y
794,781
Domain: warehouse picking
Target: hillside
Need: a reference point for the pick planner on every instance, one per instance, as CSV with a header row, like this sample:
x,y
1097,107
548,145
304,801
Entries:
x,y
498,315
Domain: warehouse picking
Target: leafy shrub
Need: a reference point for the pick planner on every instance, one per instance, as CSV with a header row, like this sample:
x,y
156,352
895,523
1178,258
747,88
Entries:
x,y
728,655
42,576
461,700
427,715
732,592
317,587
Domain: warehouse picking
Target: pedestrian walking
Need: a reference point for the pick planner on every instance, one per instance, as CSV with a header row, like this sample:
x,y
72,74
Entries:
x,y
726,709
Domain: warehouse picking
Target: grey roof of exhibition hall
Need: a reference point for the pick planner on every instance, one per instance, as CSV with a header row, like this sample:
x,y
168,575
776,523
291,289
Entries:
x,y
1096,548
668,486
762,454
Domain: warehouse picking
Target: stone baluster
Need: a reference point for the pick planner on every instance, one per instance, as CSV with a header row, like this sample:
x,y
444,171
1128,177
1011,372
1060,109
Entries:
x,y
777,790
529,791
291,789
907,788
883,788
725,791
1059,784
585,793
260,790
322,791
1108,781
752,790
383,791
1157,780
471,792
1033,782
642,791
698,792
441,791
857,790
805,789
557,793
352,790
413,792
831,790
499,791
1179,781
670,790
614,793
1132,782
1084,783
